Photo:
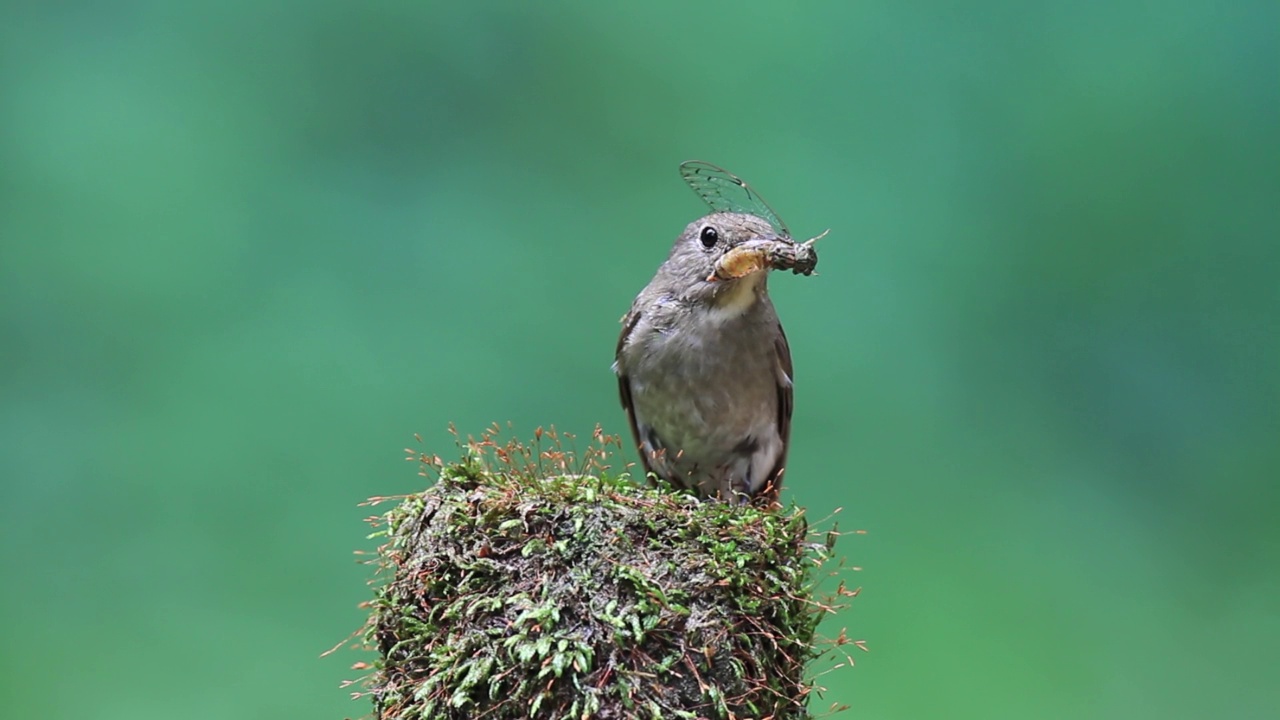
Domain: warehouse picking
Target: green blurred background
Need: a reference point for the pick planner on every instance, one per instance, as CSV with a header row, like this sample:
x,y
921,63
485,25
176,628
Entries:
x,y
248,249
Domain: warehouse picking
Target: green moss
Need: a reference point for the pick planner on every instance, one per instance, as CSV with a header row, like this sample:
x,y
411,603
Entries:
x,y
519,586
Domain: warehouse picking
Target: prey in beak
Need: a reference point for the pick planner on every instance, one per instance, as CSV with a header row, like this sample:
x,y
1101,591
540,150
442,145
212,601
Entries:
x,y
771,253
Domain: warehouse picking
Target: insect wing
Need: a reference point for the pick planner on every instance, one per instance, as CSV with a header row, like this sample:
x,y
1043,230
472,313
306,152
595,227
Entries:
x,y
726,192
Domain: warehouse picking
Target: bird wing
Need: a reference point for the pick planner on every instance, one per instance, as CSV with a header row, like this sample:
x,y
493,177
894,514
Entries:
x,y
624,386
786,400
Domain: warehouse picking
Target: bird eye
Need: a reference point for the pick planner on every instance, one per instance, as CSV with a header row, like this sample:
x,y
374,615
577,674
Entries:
x,y
709,236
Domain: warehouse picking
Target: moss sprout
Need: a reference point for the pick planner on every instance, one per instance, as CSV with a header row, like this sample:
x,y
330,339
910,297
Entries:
x,y
530,582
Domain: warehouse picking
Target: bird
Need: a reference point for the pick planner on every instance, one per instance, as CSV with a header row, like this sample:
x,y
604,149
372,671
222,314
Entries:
x,y
703,366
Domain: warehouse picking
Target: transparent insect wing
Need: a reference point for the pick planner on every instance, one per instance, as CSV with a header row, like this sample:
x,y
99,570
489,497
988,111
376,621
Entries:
x,y
726,192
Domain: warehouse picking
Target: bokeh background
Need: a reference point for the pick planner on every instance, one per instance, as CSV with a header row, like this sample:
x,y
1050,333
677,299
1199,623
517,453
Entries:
x,y
248,249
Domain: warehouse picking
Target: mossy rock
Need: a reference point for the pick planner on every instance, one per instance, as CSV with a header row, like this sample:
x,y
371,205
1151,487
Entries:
x,y
510,595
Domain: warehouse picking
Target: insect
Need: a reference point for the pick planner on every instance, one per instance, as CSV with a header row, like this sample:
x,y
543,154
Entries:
x,y
744,259
753,255
725,192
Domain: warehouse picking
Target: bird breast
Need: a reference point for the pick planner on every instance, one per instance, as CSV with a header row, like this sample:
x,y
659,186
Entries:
x,y
706,381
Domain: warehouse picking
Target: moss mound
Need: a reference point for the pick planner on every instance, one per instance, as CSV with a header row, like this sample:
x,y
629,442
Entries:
x,y
511,592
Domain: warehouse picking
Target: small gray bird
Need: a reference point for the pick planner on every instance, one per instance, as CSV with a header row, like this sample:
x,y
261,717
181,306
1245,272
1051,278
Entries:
x,y
704,369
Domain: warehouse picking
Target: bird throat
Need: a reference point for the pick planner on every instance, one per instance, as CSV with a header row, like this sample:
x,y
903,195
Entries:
x,y
737,297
